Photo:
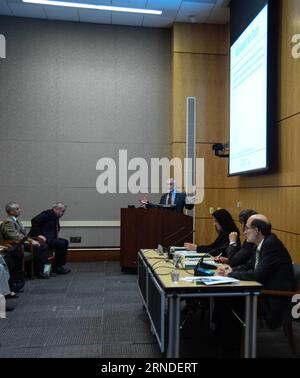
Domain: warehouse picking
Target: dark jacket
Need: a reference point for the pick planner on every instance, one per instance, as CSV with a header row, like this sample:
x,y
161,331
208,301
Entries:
x,y
179,202
240,255
275,272
218,246
46,224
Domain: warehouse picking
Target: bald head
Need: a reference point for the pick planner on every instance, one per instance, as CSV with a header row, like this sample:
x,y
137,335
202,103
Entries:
x,y
258,227
171,184
260,217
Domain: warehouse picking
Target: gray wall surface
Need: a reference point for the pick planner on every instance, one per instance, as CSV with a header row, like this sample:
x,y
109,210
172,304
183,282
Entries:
x,y
71,94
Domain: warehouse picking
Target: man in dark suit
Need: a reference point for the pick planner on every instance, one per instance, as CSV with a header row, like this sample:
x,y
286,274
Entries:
x,y
46,224
173,199
271,265
238,255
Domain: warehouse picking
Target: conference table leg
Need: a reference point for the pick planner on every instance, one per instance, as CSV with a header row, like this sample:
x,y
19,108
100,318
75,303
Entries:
x,y
248,328
174,327
254,326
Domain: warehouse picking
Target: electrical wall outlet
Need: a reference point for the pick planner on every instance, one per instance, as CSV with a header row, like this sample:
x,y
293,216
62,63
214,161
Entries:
x,y
75,239
211,210
238,205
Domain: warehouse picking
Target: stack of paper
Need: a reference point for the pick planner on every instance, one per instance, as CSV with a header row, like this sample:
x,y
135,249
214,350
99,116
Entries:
x,y
215,280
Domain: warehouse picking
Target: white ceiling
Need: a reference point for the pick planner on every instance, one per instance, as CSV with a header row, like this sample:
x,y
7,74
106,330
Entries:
x,y
199,11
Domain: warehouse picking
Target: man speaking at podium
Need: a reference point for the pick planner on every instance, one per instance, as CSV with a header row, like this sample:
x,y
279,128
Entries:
x,y
174,199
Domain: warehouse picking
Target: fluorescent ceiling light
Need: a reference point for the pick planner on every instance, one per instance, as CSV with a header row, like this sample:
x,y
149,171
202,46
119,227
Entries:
x,y
93,6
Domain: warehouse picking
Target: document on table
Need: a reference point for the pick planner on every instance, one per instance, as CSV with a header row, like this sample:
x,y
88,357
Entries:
x,y
215,280
190,254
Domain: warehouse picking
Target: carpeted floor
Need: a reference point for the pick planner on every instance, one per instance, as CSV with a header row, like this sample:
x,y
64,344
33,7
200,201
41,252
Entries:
x,y
95,312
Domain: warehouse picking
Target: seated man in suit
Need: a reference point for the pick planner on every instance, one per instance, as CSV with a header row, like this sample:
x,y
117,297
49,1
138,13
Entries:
x,y
13,229
271,265
46,225
172,198
238,255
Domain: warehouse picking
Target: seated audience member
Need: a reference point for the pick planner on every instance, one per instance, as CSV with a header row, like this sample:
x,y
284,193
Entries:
x,y
172,198
4,279
271,265
224,225
236,255
12,229
46,225
4,275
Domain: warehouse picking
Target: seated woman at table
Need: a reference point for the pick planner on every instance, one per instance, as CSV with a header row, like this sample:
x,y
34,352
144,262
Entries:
x,y
238,255
224,225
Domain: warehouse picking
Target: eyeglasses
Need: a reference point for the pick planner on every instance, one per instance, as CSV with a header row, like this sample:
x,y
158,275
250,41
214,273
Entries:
x,y
248,227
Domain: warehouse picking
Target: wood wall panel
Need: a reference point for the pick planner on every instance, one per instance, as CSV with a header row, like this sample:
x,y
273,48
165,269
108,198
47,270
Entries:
x,y
200,38
214,169
200,76
84,255
289,76
288,170
275,194
287,173
205,232
280,205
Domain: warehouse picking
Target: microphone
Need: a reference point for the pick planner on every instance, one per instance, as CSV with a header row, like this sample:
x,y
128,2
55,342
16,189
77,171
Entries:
x,y
173,234
202,264
184,237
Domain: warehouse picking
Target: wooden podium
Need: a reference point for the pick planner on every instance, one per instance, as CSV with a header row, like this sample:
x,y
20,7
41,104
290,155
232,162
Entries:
x,y
146,228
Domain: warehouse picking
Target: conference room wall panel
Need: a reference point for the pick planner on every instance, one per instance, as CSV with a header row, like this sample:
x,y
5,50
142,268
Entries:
x,y
277,193
205,232
289,98
31,198
283,217
200,76
80,160
72,93
94,236
28,163
100,207
214,169
200,38
287,172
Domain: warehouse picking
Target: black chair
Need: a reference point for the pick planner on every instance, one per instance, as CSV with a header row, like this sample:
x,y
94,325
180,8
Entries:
x,y
287,322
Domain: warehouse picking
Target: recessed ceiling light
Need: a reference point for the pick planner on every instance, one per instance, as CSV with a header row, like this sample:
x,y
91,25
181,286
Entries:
x,y
93,6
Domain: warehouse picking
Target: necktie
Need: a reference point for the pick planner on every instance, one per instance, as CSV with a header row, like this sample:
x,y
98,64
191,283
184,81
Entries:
x,y
257,256
170,199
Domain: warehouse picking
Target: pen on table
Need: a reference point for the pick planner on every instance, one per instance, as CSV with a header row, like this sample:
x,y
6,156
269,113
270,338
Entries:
x,y
216,257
